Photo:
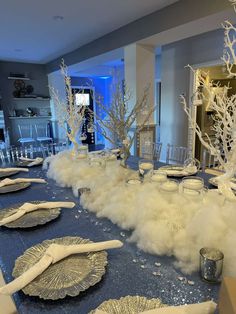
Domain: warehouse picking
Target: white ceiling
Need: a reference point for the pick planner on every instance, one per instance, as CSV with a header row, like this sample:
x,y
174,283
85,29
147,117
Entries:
x,y
30,33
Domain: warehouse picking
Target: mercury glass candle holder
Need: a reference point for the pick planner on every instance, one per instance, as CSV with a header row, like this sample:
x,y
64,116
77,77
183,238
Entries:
x,y
146,167
211,264
192,185
133,181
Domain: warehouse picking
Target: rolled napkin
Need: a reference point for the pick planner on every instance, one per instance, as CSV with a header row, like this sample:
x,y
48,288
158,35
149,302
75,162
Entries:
x,y
208,307
34,161
13,169
29,207
53,254
20,180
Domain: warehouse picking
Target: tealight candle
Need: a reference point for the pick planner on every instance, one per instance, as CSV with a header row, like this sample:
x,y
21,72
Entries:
x,y
115,150
82,156
83,147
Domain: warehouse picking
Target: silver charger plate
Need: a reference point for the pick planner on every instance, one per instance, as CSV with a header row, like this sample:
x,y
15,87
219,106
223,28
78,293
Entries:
x,y
213,182
5,174
31,219
70,276
129,305
176,171
25,163
14,187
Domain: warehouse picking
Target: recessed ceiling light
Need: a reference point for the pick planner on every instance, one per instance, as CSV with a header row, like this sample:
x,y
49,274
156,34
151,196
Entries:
x,y
58,18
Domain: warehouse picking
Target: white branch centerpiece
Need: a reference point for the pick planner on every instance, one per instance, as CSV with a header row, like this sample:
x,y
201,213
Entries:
x,y
70,116
223,107
118,125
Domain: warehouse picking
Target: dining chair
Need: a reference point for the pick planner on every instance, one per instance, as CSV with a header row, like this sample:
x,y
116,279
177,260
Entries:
x,y
42,132
176,154
26,133
209,161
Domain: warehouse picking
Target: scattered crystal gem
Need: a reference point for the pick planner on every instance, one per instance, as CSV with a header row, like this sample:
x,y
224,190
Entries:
x,y
134,260
158,264
76,216
181,278
143,266
122,234
191,283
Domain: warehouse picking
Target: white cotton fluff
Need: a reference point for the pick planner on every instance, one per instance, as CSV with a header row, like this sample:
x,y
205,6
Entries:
x,y
162,224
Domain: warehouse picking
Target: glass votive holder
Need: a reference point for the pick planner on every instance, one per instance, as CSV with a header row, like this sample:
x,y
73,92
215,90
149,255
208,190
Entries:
x,y
159,176
170,186
146,167
211,264
83,151
192,185
97,162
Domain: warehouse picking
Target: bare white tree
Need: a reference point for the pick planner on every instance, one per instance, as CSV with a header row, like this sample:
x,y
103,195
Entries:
x,y
70,116
119,117
223,106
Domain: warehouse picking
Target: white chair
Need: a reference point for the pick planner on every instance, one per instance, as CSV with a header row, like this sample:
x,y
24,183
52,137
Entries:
x,y
42,133
26,134
151,151
209,162
176,154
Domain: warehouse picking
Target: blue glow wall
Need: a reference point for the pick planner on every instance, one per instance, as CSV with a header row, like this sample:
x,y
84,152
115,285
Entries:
x,y
101,86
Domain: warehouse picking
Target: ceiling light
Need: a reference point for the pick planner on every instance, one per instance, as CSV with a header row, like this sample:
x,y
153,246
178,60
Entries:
x,y
58,18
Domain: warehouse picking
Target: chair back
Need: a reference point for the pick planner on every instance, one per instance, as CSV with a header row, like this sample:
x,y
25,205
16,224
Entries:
x,y
151,151
25,130
208,160
42,130
176,154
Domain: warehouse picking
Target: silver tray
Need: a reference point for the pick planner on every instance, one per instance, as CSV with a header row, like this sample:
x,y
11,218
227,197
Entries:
x,y
213,182
31,219
129,305
176,171
14,187
69,276
25,163
4,174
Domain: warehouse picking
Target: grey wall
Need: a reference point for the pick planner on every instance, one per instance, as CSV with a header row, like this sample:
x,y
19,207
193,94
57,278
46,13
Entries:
x,y
175,81
38,79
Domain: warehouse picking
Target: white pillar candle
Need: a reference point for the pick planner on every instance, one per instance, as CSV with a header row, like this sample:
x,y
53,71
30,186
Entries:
x,y
146,166
193,184
159,178
170,186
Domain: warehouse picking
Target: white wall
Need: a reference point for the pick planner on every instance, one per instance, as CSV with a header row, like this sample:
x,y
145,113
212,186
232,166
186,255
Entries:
x,y
175,81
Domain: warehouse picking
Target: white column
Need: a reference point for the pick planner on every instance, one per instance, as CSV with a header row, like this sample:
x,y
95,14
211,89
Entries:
x,y
56,81
140,73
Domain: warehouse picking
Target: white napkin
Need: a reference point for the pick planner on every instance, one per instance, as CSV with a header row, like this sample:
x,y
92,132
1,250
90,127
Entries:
x,y
53,254
198,308
13,169
20,180
29,207
34,161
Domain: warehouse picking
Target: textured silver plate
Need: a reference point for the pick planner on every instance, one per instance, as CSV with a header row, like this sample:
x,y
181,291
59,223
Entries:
x,y
69,276
176,171
129,305
5,174
213,182
25,163
14,187
32,219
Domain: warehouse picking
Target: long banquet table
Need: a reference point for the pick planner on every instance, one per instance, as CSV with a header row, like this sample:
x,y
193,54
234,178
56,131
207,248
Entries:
x,y
129,270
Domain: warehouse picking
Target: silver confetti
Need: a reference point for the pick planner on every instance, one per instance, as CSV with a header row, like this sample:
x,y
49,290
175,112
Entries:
x,y
158,264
